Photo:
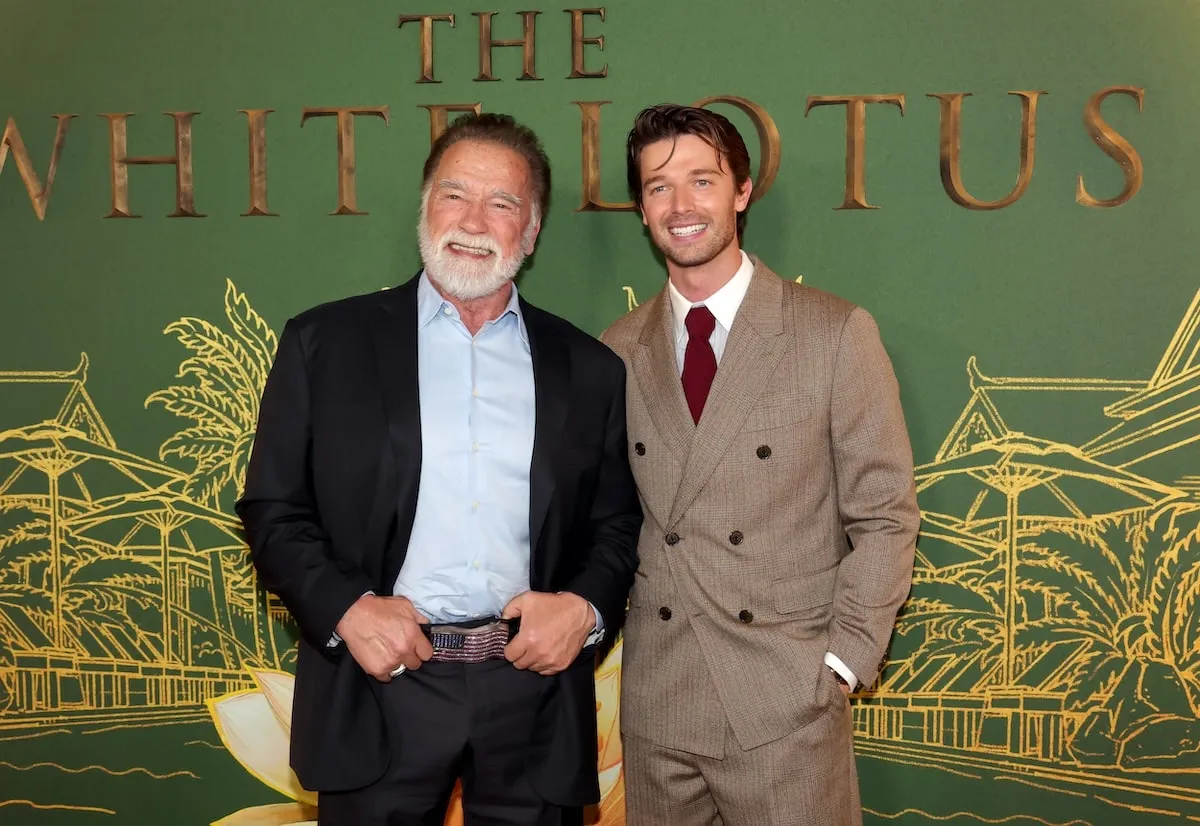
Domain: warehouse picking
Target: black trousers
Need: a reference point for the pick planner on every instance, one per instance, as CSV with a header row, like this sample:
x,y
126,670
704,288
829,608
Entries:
x,y
448,721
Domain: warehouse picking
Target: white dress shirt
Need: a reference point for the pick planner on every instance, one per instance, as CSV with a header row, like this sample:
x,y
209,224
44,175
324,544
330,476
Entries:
x,y
724,304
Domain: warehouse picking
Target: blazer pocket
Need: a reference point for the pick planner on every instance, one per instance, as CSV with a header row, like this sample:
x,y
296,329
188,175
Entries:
x,y
804,592
779,412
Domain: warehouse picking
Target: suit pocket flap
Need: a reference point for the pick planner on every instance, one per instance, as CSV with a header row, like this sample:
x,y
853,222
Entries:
x,y
804,592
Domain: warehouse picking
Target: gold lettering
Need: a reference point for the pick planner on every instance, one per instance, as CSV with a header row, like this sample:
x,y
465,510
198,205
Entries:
x,y
589,111
770,148
347,168
1112,144
256,124
119,163
427,21
856,139
950,149
39,196
527,44
439,116
578,41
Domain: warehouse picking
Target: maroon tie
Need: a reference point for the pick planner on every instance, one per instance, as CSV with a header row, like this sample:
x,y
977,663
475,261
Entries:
x,y
699,361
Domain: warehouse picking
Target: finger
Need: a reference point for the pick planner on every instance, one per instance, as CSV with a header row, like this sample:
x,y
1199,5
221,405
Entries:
x,y
515,606
423,648
515,650
528,659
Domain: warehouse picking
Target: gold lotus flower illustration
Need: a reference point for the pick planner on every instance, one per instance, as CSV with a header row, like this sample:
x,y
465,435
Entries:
x,y
255,727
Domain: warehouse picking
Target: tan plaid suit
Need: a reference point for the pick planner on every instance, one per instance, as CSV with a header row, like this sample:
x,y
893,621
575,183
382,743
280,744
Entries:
x,y
747,577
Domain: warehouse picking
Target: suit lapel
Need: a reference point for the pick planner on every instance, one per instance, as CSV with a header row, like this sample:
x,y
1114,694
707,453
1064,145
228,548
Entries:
x,y
657,373
551,386
394,333
753,351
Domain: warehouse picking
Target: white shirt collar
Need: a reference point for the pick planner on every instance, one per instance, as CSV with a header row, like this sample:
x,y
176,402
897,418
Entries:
x,y
723,304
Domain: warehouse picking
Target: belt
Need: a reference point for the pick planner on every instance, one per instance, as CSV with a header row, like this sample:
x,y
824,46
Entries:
x,y
473,641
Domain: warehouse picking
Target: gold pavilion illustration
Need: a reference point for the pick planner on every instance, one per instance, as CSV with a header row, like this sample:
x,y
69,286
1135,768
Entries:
x,y
1051,636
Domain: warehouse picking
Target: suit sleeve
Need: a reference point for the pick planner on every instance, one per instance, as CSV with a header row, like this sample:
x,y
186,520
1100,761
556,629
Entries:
x,y
876,498
288,545
616,519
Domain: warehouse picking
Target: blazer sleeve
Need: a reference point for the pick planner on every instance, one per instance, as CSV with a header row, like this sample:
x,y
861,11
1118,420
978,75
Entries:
x,y
615,520
876,498
288,544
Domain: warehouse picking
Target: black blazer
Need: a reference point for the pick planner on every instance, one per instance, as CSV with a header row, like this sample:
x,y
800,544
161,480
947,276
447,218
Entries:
x,y
331,492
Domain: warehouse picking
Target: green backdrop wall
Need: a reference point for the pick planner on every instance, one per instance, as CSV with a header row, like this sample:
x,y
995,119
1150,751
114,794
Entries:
x,y
1046,669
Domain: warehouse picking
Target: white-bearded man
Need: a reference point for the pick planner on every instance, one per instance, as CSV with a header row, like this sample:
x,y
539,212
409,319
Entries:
x,y
440,493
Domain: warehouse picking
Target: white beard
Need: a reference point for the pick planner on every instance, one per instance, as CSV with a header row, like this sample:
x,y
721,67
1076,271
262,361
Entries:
x,y
462,277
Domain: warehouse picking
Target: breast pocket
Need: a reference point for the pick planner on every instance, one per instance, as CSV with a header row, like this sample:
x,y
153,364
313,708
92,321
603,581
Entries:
x,y
779,411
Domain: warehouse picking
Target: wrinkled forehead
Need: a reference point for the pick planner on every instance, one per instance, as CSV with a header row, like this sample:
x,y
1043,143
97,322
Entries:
x,y
480,167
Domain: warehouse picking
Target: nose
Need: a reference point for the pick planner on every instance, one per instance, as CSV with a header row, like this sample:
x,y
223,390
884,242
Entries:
x,y
681,200
474,218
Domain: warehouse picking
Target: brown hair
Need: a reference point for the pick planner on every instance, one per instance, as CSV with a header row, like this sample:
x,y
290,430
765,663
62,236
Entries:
x,y
490,127
668,121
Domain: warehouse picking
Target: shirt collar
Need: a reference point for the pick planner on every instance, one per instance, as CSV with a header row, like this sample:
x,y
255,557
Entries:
x,y
431,304
723,304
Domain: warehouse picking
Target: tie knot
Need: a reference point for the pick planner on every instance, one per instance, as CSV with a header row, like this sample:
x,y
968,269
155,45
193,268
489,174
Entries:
x,y
700,322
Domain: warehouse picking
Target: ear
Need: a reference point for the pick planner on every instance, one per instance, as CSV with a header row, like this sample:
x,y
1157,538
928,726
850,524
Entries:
x,y
743,197
530,238
642,212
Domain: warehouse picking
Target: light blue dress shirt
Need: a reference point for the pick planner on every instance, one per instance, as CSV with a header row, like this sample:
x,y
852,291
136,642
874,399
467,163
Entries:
x,y
468,554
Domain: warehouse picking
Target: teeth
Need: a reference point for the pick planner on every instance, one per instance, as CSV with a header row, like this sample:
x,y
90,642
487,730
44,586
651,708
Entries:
x,y
472,250
688,230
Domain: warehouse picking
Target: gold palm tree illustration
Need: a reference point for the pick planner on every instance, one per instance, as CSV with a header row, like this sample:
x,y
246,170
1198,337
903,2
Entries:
x,y
227,371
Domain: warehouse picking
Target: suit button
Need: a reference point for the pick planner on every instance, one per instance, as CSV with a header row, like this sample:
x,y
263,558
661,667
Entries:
x,y
736,538
745,616
672,538
664,612
639,449
764,451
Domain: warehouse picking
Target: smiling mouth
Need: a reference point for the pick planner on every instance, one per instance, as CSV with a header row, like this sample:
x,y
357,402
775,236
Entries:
x,y
463,249
687,231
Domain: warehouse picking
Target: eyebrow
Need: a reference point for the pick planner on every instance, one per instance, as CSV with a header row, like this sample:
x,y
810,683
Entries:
x,y
459,186
691,174
507,196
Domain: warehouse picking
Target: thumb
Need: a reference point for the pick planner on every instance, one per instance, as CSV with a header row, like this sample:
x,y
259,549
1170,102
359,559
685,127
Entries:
x,y
514,607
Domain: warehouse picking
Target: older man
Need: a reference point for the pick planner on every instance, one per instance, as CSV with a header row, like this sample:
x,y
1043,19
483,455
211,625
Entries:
x,y
440,493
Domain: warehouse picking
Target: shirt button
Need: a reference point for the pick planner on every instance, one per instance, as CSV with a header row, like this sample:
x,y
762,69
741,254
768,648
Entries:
x,y
447,311
736,538
639,449
474,447
745,616
475,392
474,506
672,538
475,564
764,451
664,612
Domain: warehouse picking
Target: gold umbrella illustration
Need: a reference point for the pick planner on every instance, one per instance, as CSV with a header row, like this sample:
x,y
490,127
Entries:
x,y
1058,482
63,455
148,520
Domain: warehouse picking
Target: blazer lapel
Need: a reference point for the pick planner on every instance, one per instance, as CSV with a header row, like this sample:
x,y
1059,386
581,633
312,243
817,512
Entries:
x,y
657,373
753,351
551,386
394,332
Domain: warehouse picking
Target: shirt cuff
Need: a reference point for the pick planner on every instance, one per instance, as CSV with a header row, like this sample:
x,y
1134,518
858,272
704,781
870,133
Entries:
x,y
597,634
841,668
